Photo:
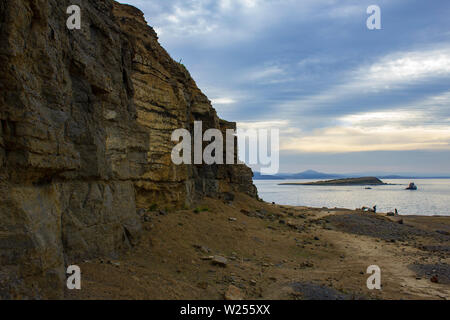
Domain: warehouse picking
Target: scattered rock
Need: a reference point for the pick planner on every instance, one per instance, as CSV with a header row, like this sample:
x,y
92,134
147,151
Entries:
x,y
262,212
439,272
228,197
256,239
202,248
202,285
114,263
207,258
205,249
306,264
232,219
220,261
110,114
313,291
233,293
445,233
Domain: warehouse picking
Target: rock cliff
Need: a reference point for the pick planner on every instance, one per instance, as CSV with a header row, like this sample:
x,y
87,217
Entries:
x,y
85,138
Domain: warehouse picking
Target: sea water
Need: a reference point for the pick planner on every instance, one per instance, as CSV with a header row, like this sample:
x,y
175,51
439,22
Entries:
x,y
431,198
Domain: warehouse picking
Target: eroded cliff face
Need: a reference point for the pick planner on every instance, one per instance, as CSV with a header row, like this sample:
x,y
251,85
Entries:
x,y
85,138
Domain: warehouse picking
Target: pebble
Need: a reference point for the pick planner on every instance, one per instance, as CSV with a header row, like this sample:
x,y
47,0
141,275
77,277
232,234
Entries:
x,y
203,285
220,261
233,293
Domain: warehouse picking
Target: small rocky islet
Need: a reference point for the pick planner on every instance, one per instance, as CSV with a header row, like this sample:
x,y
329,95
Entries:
x,y
365,181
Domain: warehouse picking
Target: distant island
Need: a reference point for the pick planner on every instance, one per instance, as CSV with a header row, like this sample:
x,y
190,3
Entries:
x,y
315,175
365,181
308,174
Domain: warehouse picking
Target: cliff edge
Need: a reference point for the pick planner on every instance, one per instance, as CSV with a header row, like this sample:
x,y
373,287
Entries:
x,y
85,138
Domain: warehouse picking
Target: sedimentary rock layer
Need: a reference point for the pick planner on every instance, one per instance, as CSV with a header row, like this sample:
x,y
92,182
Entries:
x,y
86,120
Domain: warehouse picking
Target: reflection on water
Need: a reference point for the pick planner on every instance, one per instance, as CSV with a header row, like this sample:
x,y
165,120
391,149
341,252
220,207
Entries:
x,y
432,197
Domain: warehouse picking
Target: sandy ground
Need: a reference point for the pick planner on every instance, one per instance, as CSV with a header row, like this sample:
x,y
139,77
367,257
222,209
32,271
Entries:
x,y
275,252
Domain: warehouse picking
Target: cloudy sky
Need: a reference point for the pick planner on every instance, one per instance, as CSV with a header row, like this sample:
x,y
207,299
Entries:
x,y
345,98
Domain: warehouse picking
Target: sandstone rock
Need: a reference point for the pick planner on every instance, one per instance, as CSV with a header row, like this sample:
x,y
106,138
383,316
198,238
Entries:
x,y
86,118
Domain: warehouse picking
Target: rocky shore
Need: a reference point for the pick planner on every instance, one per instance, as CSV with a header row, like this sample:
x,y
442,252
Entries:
x,y
86,179
247,249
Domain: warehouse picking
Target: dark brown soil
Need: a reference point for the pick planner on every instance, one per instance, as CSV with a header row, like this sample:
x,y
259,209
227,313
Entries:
x,y
272,252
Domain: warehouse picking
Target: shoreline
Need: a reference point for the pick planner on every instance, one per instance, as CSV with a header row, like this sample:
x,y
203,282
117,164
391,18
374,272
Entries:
x,y
428,200
276,252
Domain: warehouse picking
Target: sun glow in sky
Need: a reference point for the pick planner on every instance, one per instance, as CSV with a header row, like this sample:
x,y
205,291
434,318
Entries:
x,y
346,99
